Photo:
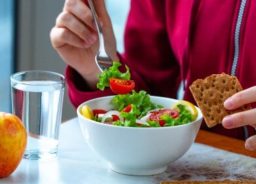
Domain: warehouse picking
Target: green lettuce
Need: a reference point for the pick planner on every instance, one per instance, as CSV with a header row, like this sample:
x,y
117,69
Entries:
x,y
141,101
183,118
112,72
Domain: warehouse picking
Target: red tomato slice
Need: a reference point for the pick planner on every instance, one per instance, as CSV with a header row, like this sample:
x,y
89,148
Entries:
x,y
156,115
96,112
120,86
128,108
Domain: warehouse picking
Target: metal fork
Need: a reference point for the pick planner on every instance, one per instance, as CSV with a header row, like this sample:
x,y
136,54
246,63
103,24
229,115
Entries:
x,y
102,59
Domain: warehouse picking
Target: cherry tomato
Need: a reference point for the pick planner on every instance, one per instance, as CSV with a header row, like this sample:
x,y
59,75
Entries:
x,y
128,108
174,113
162,123
120,86
115,117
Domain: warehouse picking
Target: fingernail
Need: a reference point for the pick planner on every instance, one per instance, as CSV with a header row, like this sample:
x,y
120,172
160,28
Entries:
x,y
228,103
227,122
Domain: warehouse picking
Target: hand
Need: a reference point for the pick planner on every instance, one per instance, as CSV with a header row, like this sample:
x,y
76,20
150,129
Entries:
x,y
75,38
247,117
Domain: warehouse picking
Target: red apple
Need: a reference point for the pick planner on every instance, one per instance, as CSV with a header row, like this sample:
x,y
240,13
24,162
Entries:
x,y
13,140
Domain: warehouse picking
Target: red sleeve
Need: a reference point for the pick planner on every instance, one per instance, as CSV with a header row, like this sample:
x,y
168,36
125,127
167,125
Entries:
x,y
147,53
147,49
78,90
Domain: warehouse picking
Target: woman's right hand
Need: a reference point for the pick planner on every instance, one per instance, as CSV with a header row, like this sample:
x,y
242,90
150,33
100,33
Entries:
x,y
75,38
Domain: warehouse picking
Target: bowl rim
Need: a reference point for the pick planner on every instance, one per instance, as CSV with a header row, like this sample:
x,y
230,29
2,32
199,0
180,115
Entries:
x,y
197,120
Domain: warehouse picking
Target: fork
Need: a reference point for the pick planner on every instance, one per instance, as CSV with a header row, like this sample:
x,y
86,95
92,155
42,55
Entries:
x,y
102,59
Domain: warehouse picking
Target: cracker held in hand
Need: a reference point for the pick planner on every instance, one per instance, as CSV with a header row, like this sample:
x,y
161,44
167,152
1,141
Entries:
x,y
210,94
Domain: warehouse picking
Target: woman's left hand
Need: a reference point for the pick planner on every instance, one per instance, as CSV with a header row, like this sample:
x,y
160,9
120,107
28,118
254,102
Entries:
x,y
240,119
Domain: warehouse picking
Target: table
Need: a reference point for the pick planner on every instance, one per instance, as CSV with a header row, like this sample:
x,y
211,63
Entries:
x,y
77,163
223,142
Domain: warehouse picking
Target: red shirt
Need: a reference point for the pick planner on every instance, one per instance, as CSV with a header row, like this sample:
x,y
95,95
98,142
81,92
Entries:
x,y
170,41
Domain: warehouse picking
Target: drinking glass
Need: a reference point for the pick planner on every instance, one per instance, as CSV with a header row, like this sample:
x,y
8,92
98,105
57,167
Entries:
x,y
37,99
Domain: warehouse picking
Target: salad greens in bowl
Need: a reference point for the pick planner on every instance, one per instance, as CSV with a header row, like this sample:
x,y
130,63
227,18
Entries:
x,y
139,134
137,110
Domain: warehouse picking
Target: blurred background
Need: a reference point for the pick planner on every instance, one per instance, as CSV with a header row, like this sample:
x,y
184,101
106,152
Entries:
x,y
25,43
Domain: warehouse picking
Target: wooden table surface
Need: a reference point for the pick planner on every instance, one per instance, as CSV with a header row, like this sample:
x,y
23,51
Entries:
x,y
223,142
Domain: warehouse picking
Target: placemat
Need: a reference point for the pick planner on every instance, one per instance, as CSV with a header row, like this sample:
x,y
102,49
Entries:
x,y
205,163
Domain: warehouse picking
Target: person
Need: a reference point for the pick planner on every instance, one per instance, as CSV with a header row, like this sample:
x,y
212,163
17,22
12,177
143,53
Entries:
x,y
166,42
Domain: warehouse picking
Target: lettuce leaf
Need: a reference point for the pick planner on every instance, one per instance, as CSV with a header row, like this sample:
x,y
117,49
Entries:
x,y
112,72
141,101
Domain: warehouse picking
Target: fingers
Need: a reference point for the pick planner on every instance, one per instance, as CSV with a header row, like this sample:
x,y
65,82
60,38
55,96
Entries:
x,y
250,143
70,22
74,26
240,119
248,117
241,98
62,36
81,11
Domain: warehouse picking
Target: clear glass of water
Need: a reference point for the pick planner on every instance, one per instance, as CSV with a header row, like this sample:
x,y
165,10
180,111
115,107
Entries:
x,y
37,99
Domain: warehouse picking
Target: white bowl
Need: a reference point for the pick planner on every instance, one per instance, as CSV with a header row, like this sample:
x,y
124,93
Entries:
x,y
137,151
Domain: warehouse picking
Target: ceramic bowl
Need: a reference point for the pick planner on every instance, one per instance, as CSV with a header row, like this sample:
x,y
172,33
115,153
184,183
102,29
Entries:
x,y
133,150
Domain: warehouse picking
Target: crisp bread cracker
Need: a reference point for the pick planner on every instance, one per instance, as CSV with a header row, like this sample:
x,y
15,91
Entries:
x,y
210,94
211,182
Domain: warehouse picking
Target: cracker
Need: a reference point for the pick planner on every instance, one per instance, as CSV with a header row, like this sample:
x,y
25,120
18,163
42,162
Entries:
x,y
210,94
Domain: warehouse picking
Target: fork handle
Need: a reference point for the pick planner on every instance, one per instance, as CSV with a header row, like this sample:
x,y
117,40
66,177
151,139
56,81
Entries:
x,y
99,29
95,17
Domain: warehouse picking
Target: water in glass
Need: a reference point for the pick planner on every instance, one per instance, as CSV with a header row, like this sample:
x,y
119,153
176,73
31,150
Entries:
x,y
39,105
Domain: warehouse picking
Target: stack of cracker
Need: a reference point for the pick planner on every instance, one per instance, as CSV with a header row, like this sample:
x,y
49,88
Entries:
x,y
210,94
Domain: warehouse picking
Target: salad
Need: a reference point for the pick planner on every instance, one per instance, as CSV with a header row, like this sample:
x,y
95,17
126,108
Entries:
x,y
119,82
135,109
